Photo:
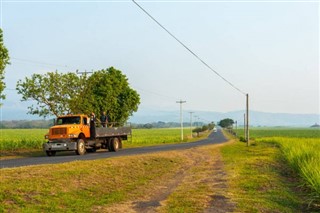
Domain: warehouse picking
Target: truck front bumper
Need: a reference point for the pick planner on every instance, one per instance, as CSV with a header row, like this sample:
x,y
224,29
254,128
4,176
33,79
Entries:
x,y
60,146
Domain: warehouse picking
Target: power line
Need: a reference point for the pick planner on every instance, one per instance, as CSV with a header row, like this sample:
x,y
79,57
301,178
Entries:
x,y
37,62
155,93
188,49
79,72
42,63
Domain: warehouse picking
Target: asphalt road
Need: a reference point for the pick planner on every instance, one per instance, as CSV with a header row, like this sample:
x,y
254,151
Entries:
x,y
214,138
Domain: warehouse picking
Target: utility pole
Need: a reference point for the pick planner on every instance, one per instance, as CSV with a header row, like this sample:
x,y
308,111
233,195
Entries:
x,y
85,72
181,119
247,119
191,123
244,126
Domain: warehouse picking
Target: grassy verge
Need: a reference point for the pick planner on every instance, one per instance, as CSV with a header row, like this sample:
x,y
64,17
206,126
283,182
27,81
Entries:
x,y
260,180
303,155
82,186
300,149
180,180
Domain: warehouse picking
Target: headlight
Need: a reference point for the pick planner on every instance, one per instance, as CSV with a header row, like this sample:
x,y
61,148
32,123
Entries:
x,y
73,136
46,137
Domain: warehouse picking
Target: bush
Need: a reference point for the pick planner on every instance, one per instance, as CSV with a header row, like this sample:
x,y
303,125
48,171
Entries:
x,y
242,139
204,128
197,130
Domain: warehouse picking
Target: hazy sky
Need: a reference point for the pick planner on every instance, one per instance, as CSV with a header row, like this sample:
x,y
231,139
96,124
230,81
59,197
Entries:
x,y
269,50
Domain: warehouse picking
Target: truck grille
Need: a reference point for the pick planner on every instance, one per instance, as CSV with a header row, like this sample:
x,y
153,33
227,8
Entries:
x,y
59,131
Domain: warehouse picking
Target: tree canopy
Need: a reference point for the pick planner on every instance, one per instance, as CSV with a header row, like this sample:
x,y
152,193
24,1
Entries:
x,y
108,90
56,94
225,123
4,61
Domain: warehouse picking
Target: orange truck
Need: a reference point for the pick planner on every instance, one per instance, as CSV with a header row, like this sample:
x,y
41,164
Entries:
x,y
74,133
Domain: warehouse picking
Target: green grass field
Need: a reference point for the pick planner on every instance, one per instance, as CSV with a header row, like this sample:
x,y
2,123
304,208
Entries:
x,y
158,136
282,132
301,150
19,139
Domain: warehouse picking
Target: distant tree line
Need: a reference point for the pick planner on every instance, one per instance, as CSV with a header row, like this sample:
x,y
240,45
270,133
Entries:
x,y
26,124
203,128
161,124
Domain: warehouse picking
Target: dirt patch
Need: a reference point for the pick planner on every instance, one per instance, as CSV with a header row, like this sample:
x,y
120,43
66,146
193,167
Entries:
x,y
159,195
219,200
203,167
161,192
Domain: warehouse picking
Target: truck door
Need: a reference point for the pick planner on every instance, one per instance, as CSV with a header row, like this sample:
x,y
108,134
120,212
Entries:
x,y
85,127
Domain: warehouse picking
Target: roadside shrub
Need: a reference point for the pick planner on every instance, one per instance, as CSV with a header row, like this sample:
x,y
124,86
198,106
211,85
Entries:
x,y
242,139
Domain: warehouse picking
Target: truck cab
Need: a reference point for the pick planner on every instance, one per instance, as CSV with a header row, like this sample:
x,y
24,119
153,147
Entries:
x,y
69,128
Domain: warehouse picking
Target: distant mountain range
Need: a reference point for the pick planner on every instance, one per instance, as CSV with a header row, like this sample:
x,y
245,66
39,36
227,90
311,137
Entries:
x,y
255,118
144,116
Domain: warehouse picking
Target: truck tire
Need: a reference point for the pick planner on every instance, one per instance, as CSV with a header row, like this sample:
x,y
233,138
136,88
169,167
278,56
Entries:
x,y
51,153
114,144
81,149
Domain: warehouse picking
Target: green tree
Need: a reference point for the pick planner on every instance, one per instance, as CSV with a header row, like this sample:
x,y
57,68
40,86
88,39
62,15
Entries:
x,y
4,61
225,123
204,128
109,90
105,90
53,92
211,126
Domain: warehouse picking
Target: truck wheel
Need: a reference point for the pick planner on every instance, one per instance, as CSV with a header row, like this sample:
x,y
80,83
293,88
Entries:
x,y
114,144
81,150
51,153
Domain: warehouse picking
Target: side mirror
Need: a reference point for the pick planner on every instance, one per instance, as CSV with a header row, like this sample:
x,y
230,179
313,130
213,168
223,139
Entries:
x,y
54,122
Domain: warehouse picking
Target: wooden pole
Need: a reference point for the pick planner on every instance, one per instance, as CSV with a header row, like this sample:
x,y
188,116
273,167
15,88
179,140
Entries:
x,y
247,120
181,118
244,126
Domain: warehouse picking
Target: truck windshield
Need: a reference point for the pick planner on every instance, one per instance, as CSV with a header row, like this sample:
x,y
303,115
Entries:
x,y
68,120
